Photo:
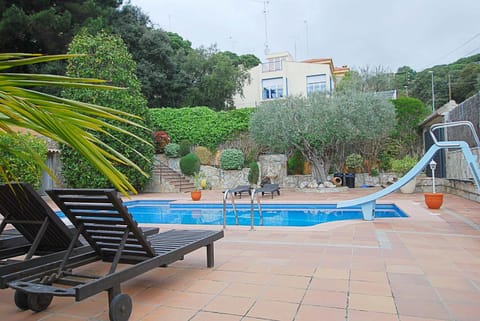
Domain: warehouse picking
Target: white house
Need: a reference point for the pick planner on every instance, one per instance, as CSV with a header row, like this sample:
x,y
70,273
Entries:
x,y
281,76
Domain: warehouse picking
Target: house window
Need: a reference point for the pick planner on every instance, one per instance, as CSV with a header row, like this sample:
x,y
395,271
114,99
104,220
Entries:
x,y
316,83
273,65
272,88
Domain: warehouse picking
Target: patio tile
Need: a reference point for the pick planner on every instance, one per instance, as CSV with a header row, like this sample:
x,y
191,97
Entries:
x,y
316,313
285,294
273,310
188,300
230,304
329,284
209,316
464,311
356,315
243,290
366,287
373,303
166,313
207,286
326,298
421,308
299,282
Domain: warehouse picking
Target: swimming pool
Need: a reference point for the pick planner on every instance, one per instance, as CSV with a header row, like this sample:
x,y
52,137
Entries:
x,y
169,212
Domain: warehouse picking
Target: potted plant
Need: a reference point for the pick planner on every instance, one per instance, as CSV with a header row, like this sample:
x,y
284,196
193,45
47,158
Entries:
x,y
433,200
403,166
200,183
354,163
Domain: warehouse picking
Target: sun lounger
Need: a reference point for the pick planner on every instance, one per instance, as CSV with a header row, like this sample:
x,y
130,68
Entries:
x,y
40,230
269,188
104,222
241,189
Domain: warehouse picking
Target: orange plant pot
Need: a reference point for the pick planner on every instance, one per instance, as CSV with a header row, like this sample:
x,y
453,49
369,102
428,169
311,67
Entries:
x,y
434,200
196,195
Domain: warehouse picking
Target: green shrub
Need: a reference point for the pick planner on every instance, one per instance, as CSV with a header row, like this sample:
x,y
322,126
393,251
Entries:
x,y
231,158
21,169
172,150
190,164
210,128
295,163
204,154
354,162
253,173
402,166
185,146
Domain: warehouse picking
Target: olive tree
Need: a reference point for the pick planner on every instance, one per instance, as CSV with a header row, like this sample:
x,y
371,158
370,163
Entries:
x,y
318,126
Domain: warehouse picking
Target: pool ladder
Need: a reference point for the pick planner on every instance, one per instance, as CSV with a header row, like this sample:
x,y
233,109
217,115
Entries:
x,y
252,208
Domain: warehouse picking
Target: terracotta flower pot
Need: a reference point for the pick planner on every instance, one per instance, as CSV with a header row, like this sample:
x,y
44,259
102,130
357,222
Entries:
x,y
196,195
434,200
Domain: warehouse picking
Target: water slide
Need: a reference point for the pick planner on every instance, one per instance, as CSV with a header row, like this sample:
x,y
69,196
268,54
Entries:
x,y
367,202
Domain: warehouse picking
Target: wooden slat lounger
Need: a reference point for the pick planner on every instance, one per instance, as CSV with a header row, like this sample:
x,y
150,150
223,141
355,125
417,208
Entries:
x,y
104,222
269,188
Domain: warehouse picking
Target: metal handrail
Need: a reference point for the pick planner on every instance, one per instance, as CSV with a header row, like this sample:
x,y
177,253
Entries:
x,y
453,124
225,196
252,210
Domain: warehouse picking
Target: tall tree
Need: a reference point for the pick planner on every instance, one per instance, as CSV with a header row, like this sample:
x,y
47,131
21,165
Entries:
x,y
214,78
106,57
47,26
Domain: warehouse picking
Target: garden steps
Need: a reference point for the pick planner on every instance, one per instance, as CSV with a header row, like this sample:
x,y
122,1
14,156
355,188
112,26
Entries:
x,y
173,177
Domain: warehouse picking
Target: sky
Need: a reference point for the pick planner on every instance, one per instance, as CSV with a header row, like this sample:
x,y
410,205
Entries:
x,y
360,34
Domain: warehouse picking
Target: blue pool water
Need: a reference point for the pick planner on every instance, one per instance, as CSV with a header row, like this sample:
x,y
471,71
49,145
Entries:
x,y
168,212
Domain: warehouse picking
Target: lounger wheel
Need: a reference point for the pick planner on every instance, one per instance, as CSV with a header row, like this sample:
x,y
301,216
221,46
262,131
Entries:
x,y
120,307
39,302
21,300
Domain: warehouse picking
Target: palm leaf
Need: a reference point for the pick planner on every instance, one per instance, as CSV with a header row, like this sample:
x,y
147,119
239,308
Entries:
x,y
66,121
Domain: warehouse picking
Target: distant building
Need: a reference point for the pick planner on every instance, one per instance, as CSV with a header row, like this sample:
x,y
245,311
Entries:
x,y
280,76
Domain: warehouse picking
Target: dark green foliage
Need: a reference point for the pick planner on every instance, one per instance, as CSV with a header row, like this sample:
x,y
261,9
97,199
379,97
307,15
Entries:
x,y
201,125
295,163
231,158
190,164
214,78
172,150
253,173
463,76
391,149
47,26
410,112
21,169
185,146
108,58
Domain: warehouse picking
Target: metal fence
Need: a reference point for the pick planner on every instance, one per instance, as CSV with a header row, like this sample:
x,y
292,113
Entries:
x,y
468,110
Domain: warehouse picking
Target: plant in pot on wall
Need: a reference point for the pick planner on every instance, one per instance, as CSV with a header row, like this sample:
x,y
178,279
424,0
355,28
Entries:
x,y
190,166
433,200
403,166
354,163
200,183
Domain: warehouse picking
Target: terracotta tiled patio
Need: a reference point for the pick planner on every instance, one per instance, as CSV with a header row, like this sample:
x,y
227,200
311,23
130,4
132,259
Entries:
x,y
422,268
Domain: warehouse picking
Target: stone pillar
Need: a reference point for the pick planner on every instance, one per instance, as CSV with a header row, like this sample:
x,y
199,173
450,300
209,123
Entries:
x,y
273,166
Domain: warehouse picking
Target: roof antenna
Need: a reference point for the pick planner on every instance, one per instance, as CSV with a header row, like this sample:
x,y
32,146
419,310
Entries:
x,y
266,50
